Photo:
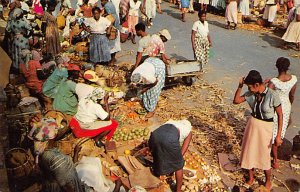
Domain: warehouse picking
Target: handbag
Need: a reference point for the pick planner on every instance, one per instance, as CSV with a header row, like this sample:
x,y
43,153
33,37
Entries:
x,y
111,32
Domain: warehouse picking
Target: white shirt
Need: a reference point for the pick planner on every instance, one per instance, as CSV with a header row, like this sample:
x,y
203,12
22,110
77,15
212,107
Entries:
x,y
143,44
134,7
184,127
89,112
99,26
201,28
147,71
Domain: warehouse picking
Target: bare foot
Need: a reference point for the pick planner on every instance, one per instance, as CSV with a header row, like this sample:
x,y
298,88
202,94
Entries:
x,y
268,185
275,165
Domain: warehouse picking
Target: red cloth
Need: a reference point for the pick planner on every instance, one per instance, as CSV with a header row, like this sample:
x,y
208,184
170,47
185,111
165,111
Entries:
x,y
32,81
79,132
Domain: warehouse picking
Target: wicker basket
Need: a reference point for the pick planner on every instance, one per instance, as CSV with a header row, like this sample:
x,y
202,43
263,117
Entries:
x,y
20,171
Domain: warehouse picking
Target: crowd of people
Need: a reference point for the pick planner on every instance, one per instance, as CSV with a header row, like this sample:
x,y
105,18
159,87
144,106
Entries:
x,y
36,38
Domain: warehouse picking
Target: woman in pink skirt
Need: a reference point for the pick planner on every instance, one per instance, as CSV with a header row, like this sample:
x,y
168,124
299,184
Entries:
x,y
257,140
133,17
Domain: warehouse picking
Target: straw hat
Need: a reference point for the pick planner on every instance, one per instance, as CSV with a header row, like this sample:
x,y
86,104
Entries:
x,y
165,33
91,76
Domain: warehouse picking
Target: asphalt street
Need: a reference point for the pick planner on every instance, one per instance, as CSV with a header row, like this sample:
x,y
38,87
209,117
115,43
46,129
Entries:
x,y
235,53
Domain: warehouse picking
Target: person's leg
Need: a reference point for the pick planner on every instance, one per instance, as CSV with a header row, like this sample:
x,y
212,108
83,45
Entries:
x,y
275,156
268,183
183,16
179,175
251,176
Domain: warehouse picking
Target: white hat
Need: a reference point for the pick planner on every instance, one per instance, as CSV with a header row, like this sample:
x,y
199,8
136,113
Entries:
x,y
165,33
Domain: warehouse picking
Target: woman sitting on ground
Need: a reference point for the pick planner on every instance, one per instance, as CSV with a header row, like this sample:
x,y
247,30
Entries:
x,y
91,120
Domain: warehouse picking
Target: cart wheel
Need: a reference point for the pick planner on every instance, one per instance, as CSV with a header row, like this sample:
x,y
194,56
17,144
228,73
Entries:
x,y
188,81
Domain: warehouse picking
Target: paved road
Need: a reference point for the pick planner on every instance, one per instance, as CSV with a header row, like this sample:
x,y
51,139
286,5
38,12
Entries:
x,y
235,53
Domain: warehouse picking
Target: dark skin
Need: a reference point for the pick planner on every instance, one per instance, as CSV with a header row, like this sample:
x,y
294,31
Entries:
x,y
179,173
284,77
139,55
257,89
202,18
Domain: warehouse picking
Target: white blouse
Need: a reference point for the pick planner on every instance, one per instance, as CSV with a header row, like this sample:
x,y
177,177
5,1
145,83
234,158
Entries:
x,y
99,26
134,8
201,28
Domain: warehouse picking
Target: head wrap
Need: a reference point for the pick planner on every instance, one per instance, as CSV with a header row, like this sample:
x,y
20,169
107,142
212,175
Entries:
x,y
17,12
136,78
98,93
27,56
36,55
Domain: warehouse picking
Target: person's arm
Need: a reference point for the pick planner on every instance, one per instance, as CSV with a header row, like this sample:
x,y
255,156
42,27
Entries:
x,y
278,140
238,98
138,59
86,28
143,11
271,85
186,143
193,41
209,40
148,86
165,58
292,93
106,106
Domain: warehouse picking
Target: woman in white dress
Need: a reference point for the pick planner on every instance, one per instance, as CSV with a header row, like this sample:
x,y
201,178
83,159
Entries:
x,y
244,9
292,34
149,7
285,85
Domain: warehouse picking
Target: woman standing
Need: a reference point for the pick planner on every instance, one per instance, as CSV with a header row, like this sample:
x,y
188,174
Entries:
x,y
52,35
203,4
167,153
99,49
150,9
201,41
150,77
231,14
133,17
285,85
257,140
244,9
85,9
292,33
19,28
185,5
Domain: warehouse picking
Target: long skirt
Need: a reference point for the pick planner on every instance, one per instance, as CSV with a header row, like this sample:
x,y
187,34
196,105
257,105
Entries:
x,y
231,12
257,144
132,21
79,131
244,7
166,151
99,49
150,9
52,40
19,42
201,50
150,97
270,13
292,33
115,45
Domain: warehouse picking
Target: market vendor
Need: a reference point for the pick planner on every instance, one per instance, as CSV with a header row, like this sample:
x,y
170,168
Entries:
x,y
149,78
167,151
91,119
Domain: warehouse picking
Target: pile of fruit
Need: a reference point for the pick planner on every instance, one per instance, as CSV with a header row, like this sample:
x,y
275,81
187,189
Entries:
x,y
126,135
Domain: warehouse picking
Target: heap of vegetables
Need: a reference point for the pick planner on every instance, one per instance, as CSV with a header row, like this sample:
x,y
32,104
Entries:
x,y
125,135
